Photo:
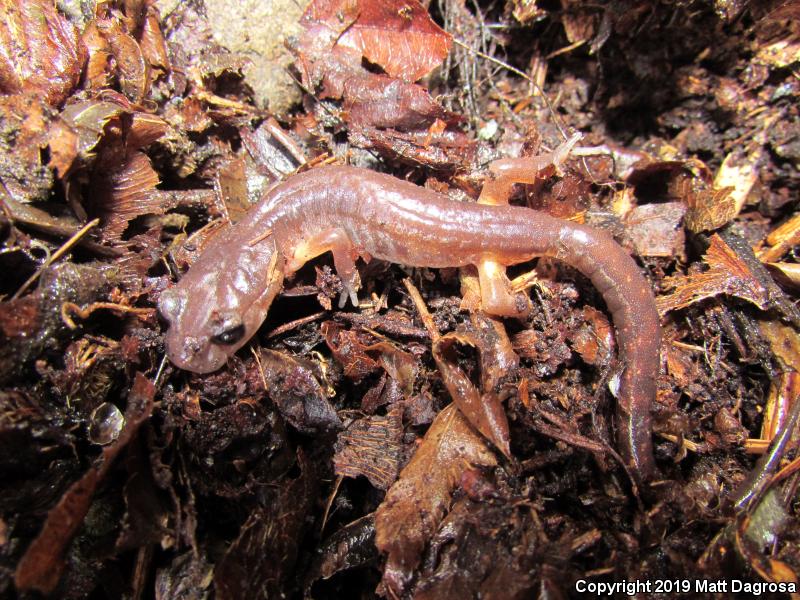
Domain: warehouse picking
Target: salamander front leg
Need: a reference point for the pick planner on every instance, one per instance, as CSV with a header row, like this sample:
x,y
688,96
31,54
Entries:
x,y
344,260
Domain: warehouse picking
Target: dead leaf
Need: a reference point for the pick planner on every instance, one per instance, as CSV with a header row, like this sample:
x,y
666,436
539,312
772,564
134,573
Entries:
x,y
414,506
484,411
369,99
133,71
76,134
398,36
595,340
371,447
726,274
98,72
41,52
781,239
126,194
259,562
655,229
294,389
25,119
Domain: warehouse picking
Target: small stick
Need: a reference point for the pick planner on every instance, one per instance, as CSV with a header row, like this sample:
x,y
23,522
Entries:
x,y
419,303
55,256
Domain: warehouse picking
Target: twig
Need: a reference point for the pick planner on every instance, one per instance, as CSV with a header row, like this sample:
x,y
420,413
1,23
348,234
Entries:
x,y
424,314
55,256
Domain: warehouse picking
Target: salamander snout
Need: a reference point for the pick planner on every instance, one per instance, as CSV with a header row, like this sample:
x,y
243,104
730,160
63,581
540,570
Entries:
x,y
171,304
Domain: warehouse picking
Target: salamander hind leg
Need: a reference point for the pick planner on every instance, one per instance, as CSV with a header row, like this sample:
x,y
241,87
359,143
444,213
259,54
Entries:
x,y
344,260
497,297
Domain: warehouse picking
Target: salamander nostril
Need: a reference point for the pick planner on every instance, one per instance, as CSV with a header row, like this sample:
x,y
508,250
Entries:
x,y
192,345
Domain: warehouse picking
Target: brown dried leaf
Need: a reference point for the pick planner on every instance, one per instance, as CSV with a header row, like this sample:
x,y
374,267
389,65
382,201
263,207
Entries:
x,y
370,99
98,72
783,341
655,229
498,358
595,340
371,447
133,71
359,359
580,24
230,185
397,35
296,392
709,208
349,351
711,203
484,411
76,134
786,273
726,274
153,44
739,172
415,504
128,193
144,129
40,50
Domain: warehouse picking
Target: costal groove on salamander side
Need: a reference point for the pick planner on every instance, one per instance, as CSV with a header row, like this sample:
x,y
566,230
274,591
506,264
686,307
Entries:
x,y
391,219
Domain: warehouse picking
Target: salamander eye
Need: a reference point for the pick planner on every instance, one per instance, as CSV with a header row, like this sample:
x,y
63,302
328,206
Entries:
x,y
230,335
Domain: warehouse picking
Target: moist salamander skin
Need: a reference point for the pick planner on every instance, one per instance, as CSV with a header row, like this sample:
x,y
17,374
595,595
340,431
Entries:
x,y
219,304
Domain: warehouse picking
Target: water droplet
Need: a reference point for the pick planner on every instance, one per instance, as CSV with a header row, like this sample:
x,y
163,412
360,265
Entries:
x,y
106,423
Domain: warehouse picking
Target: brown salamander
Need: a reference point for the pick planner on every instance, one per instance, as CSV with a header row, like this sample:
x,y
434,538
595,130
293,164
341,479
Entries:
x,y
224,297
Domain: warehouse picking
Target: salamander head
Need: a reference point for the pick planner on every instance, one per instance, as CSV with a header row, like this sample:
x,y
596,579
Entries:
x,y
213,311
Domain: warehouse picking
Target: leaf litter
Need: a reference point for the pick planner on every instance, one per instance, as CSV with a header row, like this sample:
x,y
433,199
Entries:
x,y
413,447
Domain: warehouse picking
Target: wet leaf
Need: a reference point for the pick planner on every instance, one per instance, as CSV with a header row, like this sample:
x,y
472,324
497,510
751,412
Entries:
x,y
484,411
152,42
399,36
133,71
349,351
128,193
296,392
415,505
351,546
32,323
41,52
655,229
98,73
594,341
359,359
25,119
369,99
710,209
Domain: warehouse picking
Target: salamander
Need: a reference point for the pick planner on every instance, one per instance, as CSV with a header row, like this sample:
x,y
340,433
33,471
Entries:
x,y
221,301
